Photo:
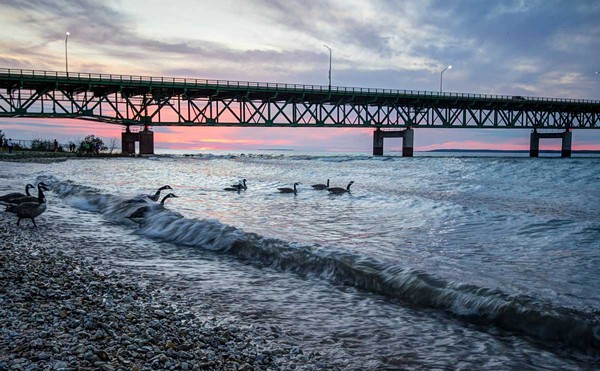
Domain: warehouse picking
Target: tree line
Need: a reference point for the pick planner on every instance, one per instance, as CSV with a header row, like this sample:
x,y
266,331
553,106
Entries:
x,y
91,145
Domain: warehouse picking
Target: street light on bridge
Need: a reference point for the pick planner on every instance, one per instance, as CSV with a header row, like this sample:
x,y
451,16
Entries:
x,y
442,76
330,50
66,55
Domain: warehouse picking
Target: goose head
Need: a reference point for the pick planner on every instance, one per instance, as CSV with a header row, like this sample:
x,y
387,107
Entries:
x,y
170,195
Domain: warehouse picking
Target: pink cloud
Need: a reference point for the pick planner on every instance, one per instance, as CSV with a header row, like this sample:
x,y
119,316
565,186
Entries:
x,y
251,138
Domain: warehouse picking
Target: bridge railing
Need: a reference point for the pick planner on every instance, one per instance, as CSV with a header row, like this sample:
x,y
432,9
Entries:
x,y
266,86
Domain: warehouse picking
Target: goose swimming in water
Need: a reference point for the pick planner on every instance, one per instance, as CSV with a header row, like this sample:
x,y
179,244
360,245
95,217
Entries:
x,y
235,188
30,210
320,186
23,199
142,198
157,194
289,190
10,196
241,184
340,190
141,212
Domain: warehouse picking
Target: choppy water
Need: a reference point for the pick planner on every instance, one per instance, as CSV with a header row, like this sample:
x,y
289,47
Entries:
x,y
430,262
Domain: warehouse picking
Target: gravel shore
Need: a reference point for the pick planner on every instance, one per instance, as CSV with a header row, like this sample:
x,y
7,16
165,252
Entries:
x,y
61,311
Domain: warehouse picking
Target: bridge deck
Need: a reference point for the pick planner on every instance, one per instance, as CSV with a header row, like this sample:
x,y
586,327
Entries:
x,y
295,104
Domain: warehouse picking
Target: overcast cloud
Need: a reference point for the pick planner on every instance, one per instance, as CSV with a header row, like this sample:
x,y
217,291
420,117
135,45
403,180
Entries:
x,y
536,48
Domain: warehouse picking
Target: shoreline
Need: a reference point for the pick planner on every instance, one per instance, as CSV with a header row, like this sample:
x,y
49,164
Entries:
x,y
62,311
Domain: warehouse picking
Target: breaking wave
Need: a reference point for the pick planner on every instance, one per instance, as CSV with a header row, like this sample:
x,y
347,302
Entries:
x,y
526,315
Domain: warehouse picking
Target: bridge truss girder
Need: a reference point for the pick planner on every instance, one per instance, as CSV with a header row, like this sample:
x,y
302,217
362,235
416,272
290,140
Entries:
x,y
167,108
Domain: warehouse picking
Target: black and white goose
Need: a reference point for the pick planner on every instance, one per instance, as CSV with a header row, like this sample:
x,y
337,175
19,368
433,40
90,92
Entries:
x,y
23,199
5,199
140,213
320,186
289,190
30,210
340,190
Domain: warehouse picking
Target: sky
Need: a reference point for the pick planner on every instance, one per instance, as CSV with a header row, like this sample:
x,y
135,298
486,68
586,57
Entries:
x,y
542,48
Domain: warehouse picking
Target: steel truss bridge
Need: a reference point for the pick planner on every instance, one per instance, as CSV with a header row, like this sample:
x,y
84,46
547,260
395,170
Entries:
x,y
161,101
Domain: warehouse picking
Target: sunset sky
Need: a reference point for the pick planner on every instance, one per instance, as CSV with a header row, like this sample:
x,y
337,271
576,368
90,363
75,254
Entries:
x,y
530,48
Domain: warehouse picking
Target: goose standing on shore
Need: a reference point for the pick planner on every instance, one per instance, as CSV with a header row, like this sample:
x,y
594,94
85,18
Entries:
x,y
4,200
340,190
289,190
30,210
141,212
320,186
23,199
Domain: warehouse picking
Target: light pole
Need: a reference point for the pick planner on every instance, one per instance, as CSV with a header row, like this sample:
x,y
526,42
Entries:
x,y
330,50
66,55
442,76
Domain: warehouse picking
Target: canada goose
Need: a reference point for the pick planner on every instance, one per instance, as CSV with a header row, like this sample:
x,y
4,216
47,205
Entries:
x,y
30,210
320,186
289,190
142,198
340,190
157,194
242,184
23,199
9,196
141,212
235,187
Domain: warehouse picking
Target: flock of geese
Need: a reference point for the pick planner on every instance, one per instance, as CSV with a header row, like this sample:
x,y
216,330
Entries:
x,y
241,186
26,206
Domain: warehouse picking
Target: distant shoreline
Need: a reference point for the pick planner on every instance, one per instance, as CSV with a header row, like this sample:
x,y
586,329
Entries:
x,y
509,150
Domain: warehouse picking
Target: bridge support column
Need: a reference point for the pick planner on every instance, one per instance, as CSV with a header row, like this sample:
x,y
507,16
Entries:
x,y
567,139
146,139
534,144
566,136
407,136
128,140
378,142
407,142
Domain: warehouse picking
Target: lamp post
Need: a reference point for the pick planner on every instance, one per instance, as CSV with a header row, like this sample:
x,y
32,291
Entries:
x,y
330,50
66,55
442,76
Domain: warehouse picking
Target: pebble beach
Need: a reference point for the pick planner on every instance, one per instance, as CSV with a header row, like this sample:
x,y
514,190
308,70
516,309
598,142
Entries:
x,y
62,307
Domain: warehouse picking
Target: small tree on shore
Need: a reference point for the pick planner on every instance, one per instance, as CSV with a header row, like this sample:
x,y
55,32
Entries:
x,y
41,145
91,145
112,144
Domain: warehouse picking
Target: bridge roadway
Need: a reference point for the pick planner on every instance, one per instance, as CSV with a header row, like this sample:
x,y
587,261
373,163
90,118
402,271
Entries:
x,y
160,101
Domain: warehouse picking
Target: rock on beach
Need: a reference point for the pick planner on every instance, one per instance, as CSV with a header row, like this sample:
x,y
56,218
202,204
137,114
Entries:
x,y
60,311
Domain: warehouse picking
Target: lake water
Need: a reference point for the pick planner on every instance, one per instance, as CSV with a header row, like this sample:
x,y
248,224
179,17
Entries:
x,y
488,261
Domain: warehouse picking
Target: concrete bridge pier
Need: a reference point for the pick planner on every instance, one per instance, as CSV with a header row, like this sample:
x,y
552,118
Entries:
x,y
144,137
534,143
407,136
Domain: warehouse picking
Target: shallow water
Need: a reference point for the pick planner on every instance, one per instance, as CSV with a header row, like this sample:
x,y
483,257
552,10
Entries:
x,y
447,262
